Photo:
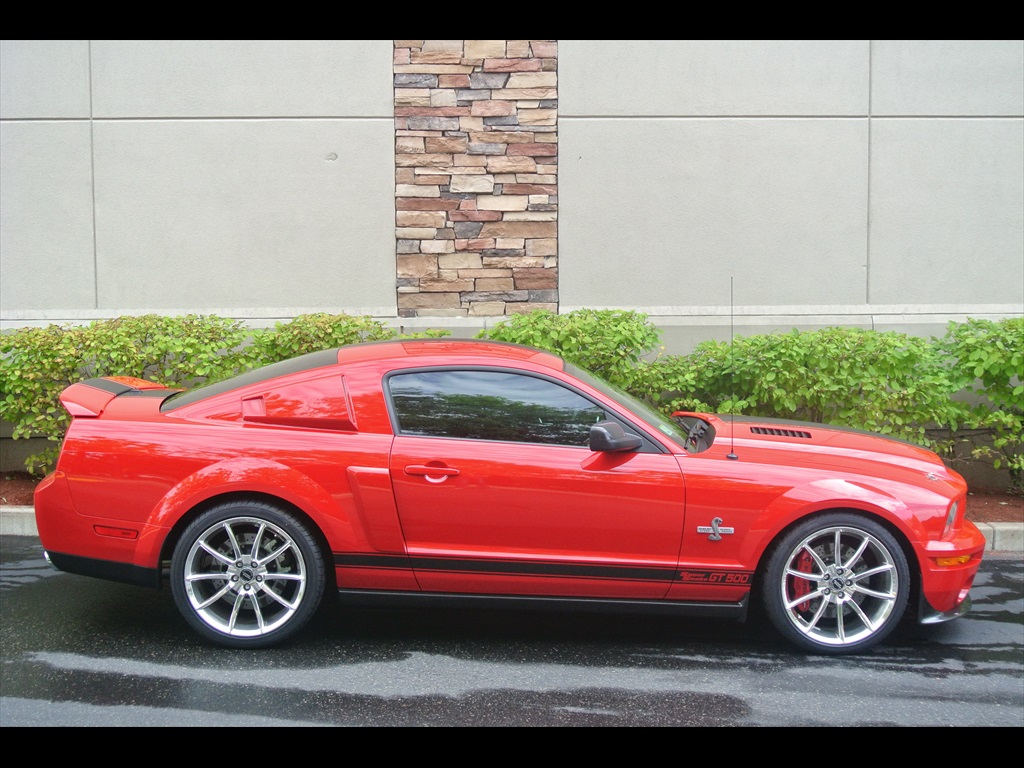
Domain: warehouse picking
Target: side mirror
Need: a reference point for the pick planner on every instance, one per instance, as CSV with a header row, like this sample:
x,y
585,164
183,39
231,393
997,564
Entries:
x,y
610,436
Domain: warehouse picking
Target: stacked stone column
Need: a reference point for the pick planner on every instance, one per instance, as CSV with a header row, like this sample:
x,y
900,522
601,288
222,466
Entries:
x,y
476,176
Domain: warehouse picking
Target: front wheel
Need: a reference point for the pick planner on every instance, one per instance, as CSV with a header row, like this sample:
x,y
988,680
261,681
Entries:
x,y
837,583
247,574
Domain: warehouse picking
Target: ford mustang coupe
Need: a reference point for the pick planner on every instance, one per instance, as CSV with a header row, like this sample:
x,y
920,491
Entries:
x,y
456,470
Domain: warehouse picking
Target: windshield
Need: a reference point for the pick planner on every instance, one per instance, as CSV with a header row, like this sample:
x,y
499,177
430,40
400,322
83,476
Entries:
x,y
654,418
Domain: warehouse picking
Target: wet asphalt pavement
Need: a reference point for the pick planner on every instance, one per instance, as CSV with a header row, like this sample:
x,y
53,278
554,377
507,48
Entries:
x,y
84,652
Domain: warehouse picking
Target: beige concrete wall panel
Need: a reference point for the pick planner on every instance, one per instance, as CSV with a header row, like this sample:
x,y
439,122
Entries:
x,y
946,209
245,213
712,77
46,254
44,78
242,78
663,212
947,78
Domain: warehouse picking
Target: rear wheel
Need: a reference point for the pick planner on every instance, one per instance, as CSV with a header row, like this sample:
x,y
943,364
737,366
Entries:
x,y
837,583
247,574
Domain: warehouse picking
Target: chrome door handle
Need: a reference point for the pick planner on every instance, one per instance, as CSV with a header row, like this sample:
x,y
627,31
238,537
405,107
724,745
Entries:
x,y
432,474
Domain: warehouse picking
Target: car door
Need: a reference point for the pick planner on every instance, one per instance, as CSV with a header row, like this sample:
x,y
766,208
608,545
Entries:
x,y
498,491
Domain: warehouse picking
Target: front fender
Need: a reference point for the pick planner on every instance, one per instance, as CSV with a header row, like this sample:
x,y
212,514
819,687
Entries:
x,y
836,493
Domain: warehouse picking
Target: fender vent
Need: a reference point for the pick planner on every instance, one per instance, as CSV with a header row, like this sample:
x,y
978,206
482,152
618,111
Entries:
x,y
780,432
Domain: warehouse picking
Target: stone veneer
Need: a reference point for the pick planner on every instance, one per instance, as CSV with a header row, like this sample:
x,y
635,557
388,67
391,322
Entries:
x,y
476,176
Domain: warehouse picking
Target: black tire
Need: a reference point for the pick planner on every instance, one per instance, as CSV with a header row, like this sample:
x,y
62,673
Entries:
x,y
832,604
247,574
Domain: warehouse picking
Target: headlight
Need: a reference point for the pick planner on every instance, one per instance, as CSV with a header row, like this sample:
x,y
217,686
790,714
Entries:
x,y
951,515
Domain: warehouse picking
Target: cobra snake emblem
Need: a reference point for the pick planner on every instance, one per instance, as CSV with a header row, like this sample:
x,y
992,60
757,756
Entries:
x,y
716,529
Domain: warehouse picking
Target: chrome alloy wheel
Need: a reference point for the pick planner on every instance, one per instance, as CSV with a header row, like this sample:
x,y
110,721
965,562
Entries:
x,y
244,577
840,585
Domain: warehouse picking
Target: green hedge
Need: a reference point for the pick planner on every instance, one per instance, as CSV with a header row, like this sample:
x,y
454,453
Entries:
x,y
609,343
36,364
885,382
938,392
987,359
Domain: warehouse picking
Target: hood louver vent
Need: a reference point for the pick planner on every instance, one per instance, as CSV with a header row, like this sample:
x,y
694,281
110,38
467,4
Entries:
x,y
780,432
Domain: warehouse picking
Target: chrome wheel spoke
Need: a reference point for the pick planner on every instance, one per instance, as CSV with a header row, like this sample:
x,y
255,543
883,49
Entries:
x,y
214,597
276,597
887,595
865,575
257,541
816,595
216,555
817,617
236,549
278,552
867,621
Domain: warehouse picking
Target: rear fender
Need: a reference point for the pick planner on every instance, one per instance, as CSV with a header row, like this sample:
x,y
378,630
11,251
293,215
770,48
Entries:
x,y
257,476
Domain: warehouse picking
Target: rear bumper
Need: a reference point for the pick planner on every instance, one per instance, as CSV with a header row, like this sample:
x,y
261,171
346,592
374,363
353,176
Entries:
x,y
94,546
105,569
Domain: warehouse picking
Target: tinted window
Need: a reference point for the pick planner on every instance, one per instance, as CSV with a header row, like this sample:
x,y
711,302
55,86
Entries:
x,y
491,405
306,362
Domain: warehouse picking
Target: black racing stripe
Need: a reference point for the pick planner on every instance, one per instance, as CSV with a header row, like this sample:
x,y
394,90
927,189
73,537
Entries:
x,y
711,577
506,567
114,387
541,568
151,392
366,560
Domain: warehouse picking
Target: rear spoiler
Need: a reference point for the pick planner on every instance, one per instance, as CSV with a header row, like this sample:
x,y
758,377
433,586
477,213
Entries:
x,y
89,398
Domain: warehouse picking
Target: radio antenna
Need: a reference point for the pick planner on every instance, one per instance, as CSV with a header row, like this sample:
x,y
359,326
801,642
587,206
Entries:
x,y
732,378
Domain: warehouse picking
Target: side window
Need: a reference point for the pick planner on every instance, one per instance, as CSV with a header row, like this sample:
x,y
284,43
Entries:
x,y
491,405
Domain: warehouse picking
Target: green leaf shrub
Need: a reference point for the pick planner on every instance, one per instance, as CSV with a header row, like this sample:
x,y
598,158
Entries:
x,y
36,364
987,359
884,382
321,330
609,343
312,333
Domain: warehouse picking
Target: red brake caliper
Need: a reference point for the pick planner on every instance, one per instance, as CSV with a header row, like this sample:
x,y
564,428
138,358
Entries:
x,y
801,587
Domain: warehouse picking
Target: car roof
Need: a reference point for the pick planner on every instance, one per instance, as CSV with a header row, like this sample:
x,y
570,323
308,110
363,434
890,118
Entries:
x,y
391,353
457,349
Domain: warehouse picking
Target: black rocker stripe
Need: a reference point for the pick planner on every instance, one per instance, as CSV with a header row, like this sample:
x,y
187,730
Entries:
x,y
542,568
507,567
399,562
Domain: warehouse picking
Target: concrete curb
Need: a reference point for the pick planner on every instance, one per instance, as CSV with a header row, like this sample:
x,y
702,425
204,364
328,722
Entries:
x,y
999,537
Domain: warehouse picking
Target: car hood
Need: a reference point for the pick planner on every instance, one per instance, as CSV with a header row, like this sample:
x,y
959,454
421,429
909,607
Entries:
x,y
833,449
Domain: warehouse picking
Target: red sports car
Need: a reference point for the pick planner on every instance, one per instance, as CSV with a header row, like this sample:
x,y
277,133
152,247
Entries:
x,y
448,470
